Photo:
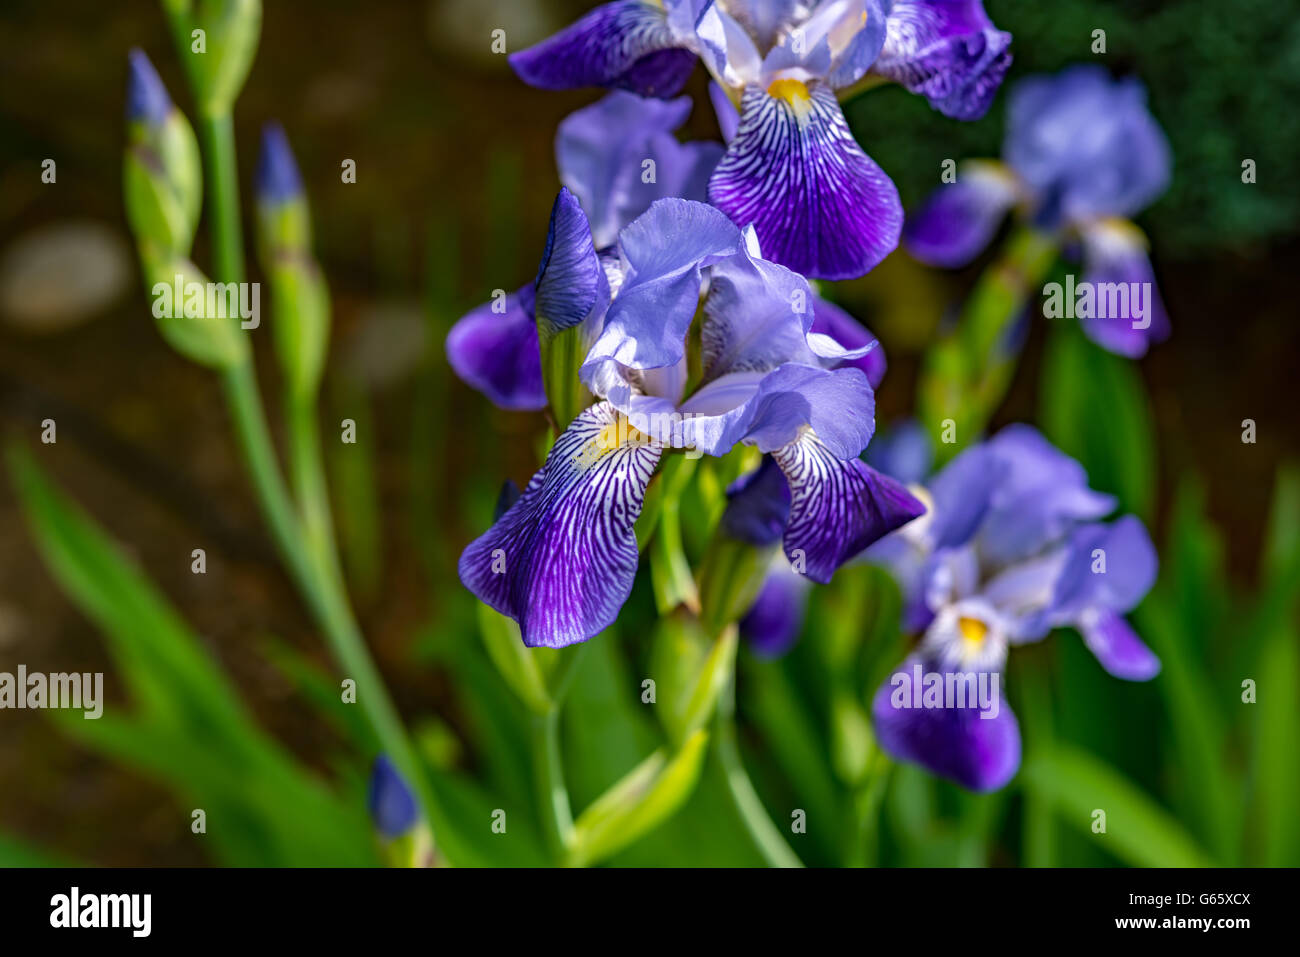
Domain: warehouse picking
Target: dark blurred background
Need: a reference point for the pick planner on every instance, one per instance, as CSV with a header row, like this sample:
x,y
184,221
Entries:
x,y
455,177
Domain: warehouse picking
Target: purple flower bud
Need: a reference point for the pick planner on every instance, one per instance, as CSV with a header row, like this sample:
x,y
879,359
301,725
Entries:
x,y
391,803
278,179
146,97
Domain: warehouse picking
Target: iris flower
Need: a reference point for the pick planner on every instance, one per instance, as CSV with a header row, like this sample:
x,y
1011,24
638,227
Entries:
x,y
601,152
1010,547
1082,155
792,169
562,559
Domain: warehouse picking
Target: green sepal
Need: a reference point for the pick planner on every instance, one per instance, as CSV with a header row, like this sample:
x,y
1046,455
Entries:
x,y
162,183
300,323
730,578
562,355
231,31
215,343
690,671
519,666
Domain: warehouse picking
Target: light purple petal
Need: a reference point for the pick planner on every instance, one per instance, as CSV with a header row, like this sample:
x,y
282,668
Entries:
x,y
837,506
664,250
904,451
727,48
497,352
561,561
980,754
830,320
1086,144
1108,566
1118,648
570,280
959,219
763,19
627,44
1117,267
947,51
726,112
818,203
602,152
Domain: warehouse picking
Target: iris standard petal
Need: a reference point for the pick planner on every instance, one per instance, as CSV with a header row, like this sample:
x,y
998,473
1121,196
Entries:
x,y
664,251
619,155
947,51
979,753
1119,274
818,203
959,219
570,279
562,560
830,320
496,352
626,43
1117,647
837,506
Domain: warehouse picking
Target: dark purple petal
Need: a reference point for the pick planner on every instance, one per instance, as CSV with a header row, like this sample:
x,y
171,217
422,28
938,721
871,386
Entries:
x,y
146,97
773,622
626,44
1117,267
830,320
561,561
818,203
758,505
391,803
497,353
278,178
1118,648
957,222
980,754
947,51
837,507
601,152
570,279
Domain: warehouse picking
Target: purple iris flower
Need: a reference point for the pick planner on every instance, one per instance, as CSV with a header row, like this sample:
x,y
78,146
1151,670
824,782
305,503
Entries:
x,y
792,169
562,559
1082,155
1009,549
616,156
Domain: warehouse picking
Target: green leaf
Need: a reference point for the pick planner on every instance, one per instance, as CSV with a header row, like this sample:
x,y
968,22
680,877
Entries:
x,y
643,799
518,664
690,671
1138,831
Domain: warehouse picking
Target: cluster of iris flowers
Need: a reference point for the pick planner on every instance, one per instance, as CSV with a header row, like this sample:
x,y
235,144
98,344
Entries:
x,y
673,313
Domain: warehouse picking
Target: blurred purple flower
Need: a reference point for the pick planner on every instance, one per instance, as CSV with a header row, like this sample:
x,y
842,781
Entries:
x,y
1009,550
562,559
792,169
1082,155
392,805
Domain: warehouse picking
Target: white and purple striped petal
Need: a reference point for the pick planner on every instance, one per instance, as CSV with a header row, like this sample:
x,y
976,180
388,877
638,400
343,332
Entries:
x,y
957,221
818,203
494,349
562,559
629,44
947,51
837,506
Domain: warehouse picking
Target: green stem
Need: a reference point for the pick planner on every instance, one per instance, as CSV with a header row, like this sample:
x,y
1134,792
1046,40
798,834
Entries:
x,y
748,805
557,816
312,570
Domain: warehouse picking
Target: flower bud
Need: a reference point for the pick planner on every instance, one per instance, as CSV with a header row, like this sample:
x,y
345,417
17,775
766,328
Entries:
x,y
216,40
162,177
199,319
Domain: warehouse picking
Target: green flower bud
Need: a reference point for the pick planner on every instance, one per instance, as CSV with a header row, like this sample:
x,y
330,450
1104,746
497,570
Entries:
x,y
216,40
199,319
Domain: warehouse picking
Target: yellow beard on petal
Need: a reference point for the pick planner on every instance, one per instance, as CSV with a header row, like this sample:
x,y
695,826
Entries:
x,y
973,632
795,93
